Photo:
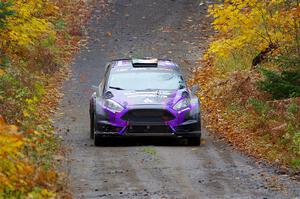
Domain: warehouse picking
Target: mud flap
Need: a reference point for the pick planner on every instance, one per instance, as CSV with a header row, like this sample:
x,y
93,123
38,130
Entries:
x,y
121,132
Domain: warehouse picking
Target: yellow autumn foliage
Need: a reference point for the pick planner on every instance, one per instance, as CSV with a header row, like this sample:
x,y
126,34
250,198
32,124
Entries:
x,y
254,24
37,39
10,145
234,106
27,25
17,175
2,72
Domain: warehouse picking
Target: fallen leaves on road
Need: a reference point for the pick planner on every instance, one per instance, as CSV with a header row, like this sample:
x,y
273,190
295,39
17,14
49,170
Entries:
x,y
108,34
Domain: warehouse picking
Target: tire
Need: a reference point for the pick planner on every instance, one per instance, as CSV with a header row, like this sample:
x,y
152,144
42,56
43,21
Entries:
x,y
194,141
100,141
97,140
92,126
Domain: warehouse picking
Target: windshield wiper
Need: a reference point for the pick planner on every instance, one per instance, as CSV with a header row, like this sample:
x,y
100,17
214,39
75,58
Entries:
x,y
116,88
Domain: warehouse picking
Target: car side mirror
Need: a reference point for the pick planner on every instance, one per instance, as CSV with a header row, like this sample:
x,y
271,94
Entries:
x,y
96,89
194,89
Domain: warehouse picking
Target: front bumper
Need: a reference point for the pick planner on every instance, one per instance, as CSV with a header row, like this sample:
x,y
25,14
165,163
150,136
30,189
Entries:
x,y
185,123
143,134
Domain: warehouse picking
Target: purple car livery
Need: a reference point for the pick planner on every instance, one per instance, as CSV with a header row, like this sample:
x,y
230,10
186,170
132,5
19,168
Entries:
x,y
144,97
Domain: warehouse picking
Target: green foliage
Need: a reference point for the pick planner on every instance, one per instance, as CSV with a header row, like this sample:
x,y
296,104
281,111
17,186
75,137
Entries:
x,y
19,95
260,106
293,109
296,141
287,62
262,110
293,129
5,11
60,25
282,85
296,163
48,42
4,61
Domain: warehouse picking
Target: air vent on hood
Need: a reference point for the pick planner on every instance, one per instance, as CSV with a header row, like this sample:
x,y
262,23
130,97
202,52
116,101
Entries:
x,y
146,62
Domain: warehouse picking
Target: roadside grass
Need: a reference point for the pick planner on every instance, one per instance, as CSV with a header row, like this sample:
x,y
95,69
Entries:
x,y
150,151
240,61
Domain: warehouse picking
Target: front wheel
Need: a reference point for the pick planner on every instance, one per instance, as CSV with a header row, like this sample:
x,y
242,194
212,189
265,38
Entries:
x,y
92,126
194,141
100,141
97,140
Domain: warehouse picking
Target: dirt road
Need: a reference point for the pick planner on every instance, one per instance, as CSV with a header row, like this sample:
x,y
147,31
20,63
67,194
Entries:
x,y
176,29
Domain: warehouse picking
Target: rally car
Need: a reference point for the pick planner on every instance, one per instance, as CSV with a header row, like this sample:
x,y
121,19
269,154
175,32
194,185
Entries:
x,y
144,97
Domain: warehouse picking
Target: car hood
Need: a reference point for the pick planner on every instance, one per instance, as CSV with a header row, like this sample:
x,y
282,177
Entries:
x,y
153,97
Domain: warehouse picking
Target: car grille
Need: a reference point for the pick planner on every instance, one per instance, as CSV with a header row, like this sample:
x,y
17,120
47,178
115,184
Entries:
x,y
149,129
148,116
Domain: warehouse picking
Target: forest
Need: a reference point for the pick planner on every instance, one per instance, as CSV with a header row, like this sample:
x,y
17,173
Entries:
x,y
37,41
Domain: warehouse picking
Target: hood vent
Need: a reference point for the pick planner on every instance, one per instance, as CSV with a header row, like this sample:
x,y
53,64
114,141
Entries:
x,y
144,63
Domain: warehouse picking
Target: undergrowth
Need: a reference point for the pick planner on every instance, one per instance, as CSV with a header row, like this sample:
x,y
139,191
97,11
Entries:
x,y
37,41
250,77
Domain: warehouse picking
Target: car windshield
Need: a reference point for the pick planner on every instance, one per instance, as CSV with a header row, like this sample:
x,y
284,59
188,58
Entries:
x,y
146,80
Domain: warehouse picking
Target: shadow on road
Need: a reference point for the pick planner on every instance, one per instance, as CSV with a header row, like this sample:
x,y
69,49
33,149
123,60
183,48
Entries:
x,y
143,141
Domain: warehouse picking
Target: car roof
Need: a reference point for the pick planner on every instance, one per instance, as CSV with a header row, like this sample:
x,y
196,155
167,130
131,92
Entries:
x,y
143,63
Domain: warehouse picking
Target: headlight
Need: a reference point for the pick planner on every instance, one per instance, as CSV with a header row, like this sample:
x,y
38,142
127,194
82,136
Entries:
x,y
182,104
113,106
